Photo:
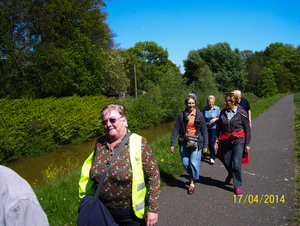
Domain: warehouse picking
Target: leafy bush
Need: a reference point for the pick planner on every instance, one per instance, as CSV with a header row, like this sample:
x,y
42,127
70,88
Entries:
x,y
33,127
144,111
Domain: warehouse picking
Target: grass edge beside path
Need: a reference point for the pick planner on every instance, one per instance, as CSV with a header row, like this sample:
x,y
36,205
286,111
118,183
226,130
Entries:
x,y
297,149
59,198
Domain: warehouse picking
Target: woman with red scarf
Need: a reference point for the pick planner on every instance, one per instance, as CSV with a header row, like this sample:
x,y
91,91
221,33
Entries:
x,y
234,127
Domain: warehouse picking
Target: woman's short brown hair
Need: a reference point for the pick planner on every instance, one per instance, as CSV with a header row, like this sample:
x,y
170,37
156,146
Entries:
x,y
233,97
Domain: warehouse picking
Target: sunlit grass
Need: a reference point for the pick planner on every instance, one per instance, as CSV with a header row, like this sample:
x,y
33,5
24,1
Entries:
x,y
169,163
297,149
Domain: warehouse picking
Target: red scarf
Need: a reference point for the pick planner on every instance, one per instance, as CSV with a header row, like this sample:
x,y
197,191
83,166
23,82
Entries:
x,y
234,135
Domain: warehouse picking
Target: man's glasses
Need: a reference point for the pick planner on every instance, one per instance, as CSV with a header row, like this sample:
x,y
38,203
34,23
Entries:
x,y
111,120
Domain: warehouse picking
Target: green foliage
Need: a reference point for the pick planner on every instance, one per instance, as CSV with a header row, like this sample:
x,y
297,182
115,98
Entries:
x,y
173,92
53,48
281,75
226,64
33,127
293,63
144,111
254,65
169,163
80,66
284,62
205,81
200,78
266,83
149,60
115,78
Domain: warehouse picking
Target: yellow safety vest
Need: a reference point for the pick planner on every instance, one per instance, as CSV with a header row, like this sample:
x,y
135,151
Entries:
x,y
139,190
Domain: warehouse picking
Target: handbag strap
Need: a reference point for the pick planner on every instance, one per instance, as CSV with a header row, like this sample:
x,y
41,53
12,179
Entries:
x,y
108,165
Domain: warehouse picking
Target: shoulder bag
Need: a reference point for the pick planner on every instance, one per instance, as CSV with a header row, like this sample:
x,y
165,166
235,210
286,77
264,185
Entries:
x,y
192,141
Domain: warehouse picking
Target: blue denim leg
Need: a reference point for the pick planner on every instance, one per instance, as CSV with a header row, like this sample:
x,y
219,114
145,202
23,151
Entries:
x,y
211,142
233,154
191,159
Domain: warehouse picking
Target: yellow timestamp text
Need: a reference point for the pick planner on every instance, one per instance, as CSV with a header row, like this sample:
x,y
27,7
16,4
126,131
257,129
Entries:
x,y
258,198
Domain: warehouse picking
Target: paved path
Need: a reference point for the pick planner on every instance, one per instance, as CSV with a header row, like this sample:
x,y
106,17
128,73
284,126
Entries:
x,y
269,177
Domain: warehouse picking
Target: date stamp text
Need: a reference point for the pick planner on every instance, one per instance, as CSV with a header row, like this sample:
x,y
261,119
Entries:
x,y
264,198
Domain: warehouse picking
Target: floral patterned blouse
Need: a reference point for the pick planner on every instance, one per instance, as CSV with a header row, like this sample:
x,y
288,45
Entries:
x,y
116,189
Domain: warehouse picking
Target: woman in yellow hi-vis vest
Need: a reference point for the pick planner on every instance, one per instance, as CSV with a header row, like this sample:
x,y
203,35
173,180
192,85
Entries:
x,y
124,192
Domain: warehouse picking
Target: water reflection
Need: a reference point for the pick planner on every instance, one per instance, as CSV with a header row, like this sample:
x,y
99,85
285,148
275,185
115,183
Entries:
x,y
69,157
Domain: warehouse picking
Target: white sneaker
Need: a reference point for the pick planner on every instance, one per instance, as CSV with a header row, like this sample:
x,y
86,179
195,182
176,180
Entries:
x,y
212,161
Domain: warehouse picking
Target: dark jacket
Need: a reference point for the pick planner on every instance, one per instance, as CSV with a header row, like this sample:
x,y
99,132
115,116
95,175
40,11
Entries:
x,y
239,121
180,129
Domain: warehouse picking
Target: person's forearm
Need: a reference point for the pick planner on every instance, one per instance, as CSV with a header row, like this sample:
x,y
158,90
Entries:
x,y
249,113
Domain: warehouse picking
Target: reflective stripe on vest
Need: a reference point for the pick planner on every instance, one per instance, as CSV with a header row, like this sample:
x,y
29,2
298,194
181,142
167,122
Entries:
x,y
139,190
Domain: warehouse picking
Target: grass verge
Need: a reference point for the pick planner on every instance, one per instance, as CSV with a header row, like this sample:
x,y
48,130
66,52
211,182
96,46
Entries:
x,y
297,149
59,198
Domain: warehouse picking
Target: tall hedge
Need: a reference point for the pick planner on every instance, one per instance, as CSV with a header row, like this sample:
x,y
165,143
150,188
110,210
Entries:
x,y
33,127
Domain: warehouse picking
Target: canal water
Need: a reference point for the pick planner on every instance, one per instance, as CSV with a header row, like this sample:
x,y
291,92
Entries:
x,y
70,157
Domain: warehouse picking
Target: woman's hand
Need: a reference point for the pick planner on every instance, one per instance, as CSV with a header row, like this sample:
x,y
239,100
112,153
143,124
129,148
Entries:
x,y
216,146
172,149
247,148
151,219
204,150
213,120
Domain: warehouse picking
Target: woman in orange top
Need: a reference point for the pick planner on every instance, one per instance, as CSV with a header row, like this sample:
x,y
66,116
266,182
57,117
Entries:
x,y
190,121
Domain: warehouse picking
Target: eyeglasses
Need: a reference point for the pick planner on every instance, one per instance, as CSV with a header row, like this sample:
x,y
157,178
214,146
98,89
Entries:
x,y
226,101
111,120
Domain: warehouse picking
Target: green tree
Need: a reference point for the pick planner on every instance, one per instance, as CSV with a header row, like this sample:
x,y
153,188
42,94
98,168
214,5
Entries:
x,y
15,45
151,60
56,21
40,48
281,75
226,64
200,78
293,63
266,83
115,78
172,88
254,65
75,69
276,55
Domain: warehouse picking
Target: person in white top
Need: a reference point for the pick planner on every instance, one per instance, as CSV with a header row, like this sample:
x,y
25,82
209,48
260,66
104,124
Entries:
x,y
18,202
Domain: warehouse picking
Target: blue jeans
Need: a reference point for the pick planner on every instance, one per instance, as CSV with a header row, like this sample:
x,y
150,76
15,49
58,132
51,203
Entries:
x,y
233,154
191,159
211,143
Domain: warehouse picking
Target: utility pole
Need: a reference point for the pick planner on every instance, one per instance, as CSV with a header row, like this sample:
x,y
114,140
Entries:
x,y
135,82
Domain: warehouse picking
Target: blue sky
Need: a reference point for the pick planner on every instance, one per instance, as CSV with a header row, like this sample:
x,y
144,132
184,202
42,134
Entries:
x,y
182,26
